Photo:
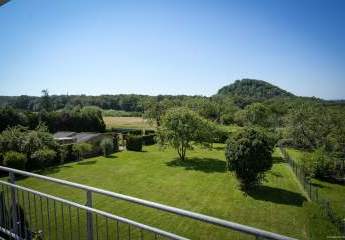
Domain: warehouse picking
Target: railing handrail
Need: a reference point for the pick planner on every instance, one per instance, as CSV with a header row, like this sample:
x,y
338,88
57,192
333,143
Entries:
x,y
97,211
197,216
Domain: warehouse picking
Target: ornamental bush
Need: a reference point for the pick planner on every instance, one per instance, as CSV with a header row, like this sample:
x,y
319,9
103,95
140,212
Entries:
x,y
134,143
42,158
107,146
149,139
249,155
14,159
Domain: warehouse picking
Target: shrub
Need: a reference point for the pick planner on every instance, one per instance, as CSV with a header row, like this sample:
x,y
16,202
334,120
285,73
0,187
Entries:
x,y
107,146
80,149
43,158
249,154
116,143
322,163
134,143
149,139
14,159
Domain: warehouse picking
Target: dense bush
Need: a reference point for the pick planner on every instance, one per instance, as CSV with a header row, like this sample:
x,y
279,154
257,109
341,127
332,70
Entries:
x,y
80,149
134,143
42,158
149,139
116,143
107,146
249,154
14,159
323,167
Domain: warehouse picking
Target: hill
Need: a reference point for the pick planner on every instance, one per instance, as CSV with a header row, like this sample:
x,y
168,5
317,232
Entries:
x,y
253,88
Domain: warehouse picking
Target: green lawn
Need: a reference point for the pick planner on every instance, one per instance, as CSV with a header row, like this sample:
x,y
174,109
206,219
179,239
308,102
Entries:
x,y
335,193
199,184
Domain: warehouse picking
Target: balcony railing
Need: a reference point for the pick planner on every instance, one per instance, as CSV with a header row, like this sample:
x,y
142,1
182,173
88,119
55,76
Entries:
x,y
29,214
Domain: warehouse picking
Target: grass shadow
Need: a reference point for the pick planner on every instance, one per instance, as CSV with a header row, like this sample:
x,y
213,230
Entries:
x,y
207,165
90,162
277,160
277,195
276,174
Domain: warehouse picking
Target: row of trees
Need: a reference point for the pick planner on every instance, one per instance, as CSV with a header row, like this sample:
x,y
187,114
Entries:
x,y
87,119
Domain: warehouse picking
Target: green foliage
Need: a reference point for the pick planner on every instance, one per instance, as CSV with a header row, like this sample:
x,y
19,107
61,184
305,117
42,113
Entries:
x,y
149,139
134,143
80,149
249,154
10,117
42,158
14,159
107,146
253,88
322,163
257,114
181,127
309,126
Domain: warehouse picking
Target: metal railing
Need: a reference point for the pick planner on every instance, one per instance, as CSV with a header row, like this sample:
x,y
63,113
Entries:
x,y
29,214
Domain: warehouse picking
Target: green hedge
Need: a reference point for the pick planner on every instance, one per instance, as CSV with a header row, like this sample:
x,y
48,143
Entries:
x,y
14,159
134,143
149,139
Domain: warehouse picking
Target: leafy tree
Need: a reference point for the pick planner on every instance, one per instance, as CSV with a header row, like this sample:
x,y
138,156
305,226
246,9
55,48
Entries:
x,y
46,103
10,117
181,126
310,126
155,109
249,154
257,114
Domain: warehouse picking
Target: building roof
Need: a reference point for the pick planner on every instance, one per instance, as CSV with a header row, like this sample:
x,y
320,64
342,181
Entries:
x,y
79,137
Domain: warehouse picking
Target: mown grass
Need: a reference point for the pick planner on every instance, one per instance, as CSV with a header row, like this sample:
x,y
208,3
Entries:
x,y
334,193
127,122
199,184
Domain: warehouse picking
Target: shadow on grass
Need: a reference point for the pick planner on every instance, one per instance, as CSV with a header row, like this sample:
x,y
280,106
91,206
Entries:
x,y
207,165
91,162
277,195
277,160
276,174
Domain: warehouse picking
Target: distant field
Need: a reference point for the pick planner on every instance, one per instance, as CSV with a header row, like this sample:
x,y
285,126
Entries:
x,y
127,122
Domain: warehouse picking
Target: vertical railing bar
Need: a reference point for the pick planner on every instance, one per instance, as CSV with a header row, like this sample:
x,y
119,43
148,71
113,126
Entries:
x,y
8,206
14,204
70,222
106,227
117,230
55,220
24,209
42,218
63,222
78,223
141,234
129,231
36,219
3,207
48,217
30,218
89,222
96,216
19,220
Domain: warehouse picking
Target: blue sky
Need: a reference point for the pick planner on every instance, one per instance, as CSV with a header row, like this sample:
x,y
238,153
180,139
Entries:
x,y
171,47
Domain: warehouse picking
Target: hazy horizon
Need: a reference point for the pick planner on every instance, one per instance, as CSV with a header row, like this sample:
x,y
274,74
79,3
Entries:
x,y
171,48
